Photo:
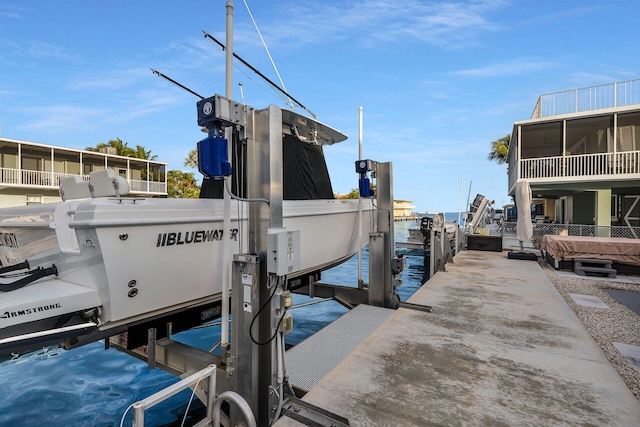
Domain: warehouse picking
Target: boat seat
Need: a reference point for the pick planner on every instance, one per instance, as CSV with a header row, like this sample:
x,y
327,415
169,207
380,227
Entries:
x,y
105,183
74,187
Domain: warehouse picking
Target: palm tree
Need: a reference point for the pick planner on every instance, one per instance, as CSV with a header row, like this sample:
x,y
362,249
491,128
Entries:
x,y
500,149
121,148
192,159
141,153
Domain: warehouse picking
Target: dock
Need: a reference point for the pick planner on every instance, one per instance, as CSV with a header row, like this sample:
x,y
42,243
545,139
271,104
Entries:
x,y
500,348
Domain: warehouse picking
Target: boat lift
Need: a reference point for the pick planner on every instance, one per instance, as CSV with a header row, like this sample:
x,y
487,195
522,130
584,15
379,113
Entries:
x,y
385,268
252,365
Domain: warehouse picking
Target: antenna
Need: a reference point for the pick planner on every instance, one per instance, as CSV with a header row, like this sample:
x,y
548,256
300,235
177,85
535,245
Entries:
x,y
266,49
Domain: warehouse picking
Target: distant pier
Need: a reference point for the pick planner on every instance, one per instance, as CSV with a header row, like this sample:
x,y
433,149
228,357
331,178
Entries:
x,y
406,218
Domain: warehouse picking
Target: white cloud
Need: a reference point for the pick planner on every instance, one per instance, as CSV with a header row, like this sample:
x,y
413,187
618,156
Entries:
x,y
71,118
445,24
62,118
505,68
39,50
10,11
110,80
143,103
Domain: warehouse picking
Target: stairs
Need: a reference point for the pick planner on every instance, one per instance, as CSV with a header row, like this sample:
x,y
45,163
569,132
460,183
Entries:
x,y
582,266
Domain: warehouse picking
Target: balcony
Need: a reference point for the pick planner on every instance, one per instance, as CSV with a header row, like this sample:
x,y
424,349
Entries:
x,y
592,98
582,167
51,181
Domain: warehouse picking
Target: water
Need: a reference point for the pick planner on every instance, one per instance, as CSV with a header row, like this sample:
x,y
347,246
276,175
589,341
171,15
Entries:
x,y
90,386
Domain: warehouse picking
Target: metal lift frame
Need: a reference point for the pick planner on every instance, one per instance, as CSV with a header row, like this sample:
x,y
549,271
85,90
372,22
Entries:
x,y
247,368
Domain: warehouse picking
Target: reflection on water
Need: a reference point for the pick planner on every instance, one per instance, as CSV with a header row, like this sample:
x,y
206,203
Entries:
x,y
90,386
87,386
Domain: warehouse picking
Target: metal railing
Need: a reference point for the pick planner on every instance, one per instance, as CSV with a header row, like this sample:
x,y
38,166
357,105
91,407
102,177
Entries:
x,y
588,99
581,165
540,230
26,177
207,375
148,186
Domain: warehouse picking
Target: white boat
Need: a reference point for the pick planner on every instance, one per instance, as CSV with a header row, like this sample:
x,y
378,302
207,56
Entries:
x,y
419,236
87,269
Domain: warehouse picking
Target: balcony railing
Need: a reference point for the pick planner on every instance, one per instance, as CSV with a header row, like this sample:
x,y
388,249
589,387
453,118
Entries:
x,y
583,165
17,177
588,99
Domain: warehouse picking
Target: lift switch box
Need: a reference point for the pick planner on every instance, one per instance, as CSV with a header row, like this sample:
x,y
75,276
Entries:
x,y
283,251
398,265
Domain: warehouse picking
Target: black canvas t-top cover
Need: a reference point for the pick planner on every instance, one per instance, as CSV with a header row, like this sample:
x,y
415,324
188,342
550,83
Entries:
x,y
305,173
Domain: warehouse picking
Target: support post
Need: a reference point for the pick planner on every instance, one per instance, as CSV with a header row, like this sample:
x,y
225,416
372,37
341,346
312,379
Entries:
x,y
151,348
432,253
381,277
376,269
264,181
243,365
603,213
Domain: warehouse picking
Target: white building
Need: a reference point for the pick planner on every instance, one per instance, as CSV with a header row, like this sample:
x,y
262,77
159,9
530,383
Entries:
x,y
403,209
580,153
30,172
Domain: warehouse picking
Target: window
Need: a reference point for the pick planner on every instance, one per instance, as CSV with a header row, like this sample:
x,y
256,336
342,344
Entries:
x,y
625,139
541,140
588,136
579,148
34,199
631,136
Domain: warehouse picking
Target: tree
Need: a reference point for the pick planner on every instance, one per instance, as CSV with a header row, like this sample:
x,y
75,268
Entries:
x,y
500,150
353,194
141,153
182,184
121,148
192,159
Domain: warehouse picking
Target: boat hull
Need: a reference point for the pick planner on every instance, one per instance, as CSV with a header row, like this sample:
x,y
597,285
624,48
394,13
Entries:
x,y
123,261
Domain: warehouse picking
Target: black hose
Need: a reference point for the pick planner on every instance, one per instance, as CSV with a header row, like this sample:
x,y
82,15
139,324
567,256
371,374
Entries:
x,y
19,266
32,276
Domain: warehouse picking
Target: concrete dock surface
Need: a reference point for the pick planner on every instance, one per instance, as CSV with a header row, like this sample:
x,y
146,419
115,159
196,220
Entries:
x,y
501,348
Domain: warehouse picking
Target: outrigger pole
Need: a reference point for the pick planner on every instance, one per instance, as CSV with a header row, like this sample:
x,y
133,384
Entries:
x,y
275,86
159,74
226,220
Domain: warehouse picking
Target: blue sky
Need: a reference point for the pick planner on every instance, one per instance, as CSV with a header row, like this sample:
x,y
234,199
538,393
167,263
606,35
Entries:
x,y
438,81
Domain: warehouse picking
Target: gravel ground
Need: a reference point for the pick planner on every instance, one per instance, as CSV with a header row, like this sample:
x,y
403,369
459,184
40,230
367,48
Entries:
x,y
606,326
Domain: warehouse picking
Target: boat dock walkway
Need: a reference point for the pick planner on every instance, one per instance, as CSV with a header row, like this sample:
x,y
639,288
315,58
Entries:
x,y
500,348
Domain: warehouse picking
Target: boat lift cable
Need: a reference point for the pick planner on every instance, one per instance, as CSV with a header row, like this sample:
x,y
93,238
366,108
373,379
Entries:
x,y
274,285
159,74
275,86
267,50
